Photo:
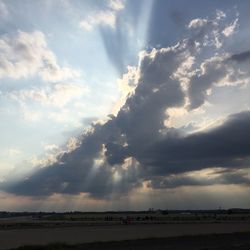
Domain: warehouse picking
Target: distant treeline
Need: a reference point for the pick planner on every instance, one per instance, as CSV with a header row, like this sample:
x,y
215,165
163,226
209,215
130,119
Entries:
x,y
6,214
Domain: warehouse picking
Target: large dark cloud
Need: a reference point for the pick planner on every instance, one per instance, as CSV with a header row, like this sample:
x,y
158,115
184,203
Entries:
x,y
135,145
78,171
224,146
229,177
137,124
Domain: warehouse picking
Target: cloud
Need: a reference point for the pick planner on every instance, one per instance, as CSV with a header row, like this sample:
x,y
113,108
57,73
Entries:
x,y
100,18
197,23
50,147
223,146
58,95
211,71
31,116
26,55
12,152
197,179
135,145
241,57
105,17
211,32
116,4
229,30
3,10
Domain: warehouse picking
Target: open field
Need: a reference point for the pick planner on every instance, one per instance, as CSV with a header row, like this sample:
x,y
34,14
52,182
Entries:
x,y
83,234
19,229
78,219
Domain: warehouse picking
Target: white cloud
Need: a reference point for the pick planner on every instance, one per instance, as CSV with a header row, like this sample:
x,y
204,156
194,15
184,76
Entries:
x,y
30,116
129,80
58,96
220,15
12,152
105,17
213,28
60,117
42,161
229,30
116,4
64,93
67,117
127,84
100,18
196,23
50,147
26,54
73,143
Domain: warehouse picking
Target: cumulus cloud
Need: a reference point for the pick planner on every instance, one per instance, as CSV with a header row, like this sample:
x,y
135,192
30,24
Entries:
x,y
27,54
135,145
105,17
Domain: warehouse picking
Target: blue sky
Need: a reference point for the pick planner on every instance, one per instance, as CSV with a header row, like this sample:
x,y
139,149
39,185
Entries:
x,y
114,91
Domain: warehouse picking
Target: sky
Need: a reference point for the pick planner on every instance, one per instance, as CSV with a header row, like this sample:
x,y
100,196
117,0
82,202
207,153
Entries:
x,y
124,105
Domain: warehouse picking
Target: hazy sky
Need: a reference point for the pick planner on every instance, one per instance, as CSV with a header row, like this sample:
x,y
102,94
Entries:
x,y
124,104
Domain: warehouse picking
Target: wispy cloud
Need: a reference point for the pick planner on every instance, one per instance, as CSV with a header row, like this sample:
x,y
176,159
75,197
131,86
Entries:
x,y
104,17
116,4
58,95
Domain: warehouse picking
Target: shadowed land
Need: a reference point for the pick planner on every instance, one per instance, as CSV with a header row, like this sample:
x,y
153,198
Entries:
x,y
84,234
236,241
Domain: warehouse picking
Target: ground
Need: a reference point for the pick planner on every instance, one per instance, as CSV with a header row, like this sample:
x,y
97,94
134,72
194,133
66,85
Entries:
x,y
126,231
236,241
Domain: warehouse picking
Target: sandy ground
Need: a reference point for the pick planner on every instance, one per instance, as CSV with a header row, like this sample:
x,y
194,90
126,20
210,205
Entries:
x,y
72,235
